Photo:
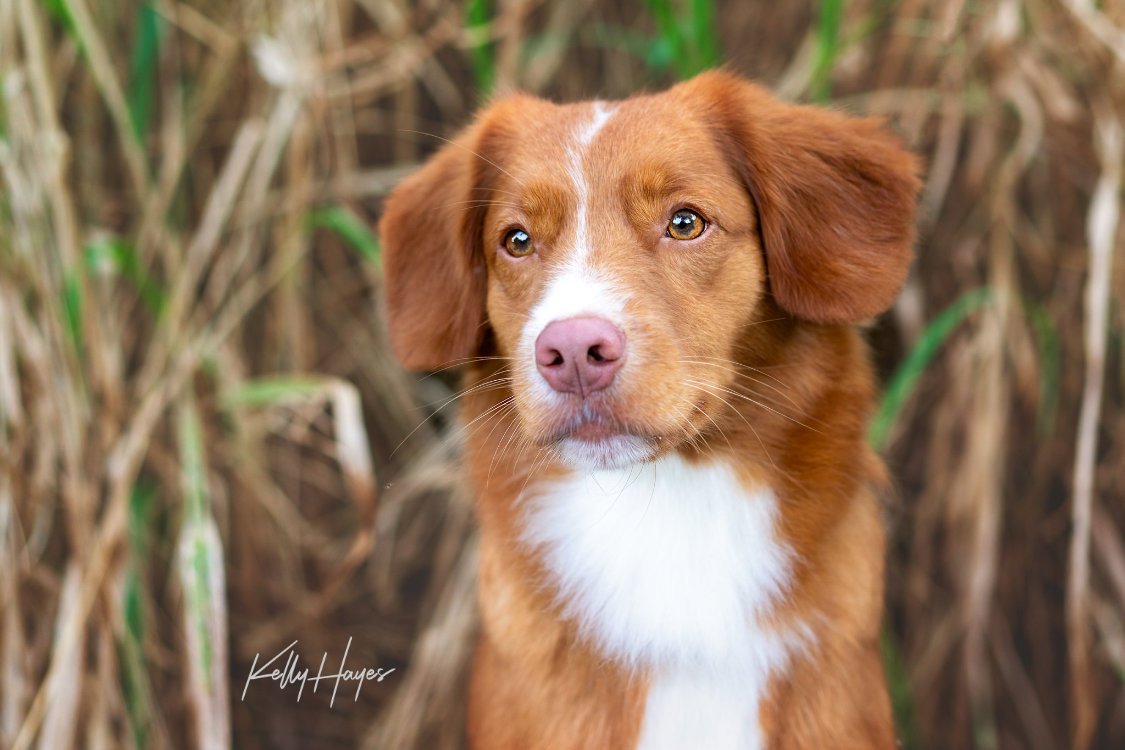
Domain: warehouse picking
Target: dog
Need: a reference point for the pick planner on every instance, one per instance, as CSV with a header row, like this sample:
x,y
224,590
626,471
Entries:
x,y
655,302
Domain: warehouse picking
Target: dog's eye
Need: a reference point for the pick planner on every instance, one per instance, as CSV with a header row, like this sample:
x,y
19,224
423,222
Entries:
x,y
518,243
685,225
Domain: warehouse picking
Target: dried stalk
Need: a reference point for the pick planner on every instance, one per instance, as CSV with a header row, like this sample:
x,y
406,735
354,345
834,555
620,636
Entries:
x,y
1101,229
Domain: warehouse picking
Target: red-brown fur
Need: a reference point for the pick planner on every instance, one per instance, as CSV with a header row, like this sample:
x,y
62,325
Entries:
x,y
816,213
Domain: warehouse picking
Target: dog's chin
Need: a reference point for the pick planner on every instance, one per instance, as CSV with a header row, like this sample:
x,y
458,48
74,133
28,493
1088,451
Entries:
x,y
592,442
609,452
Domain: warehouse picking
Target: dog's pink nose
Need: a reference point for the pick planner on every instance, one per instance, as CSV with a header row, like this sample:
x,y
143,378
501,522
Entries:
x,y
580,355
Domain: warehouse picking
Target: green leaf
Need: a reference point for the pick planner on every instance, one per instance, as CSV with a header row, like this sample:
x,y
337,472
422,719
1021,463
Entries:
x,y
272,390
1047,341
481,53
134,670
704,29
689,36
73,304
898,685
144,68
905,379
140,508
136,685
349,226
202,598
196,546
60,11
827,48
194,473
120,256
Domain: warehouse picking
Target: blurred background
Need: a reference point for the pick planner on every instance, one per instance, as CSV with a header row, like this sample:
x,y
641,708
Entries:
x,y
207,452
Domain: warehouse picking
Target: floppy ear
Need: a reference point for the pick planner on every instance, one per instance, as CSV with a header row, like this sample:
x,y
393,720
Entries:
x,y
433,267
836,199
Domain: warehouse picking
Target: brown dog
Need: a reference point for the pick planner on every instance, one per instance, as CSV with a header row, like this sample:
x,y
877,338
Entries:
x,y
654,301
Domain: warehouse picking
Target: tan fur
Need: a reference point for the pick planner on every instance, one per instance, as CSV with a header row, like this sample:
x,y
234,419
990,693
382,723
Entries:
x,y
811,215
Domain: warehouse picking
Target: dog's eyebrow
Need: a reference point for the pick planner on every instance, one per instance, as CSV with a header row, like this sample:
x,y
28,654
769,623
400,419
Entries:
x,y
651,183
545,201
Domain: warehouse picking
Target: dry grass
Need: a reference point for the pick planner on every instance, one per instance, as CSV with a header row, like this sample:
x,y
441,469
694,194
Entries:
x,y
196,397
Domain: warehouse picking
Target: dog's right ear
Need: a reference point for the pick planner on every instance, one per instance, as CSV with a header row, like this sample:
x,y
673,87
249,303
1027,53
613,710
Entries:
x,y
433,265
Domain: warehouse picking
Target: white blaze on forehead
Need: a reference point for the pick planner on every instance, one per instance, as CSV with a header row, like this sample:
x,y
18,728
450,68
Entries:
x,y
602,113
576,287
576,154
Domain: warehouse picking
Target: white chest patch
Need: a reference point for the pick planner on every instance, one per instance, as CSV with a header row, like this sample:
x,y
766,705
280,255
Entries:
x,y
667,567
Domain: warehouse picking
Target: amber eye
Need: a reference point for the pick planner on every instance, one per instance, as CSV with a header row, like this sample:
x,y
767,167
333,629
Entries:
x,y
685,225
518,243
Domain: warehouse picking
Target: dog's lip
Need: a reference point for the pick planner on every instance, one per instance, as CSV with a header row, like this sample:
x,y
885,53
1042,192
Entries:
x,y
594,431
597,429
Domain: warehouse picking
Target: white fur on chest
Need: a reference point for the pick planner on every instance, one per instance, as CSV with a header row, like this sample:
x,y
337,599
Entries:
x,y
667,567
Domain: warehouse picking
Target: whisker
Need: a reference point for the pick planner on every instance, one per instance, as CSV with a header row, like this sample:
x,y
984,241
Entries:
x,y
493,190
466,361
758,437
465,428
481,202
463,147
716,424
745,397
753,323
505,443
740,366
738,374
495,382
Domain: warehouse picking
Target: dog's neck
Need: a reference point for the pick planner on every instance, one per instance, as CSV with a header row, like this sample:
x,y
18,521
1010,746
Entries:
x,y
673,569
664,563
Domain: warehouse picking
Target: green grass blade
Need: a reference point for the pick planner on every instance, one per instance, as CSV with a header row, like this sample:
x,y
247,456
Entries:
x,y
665,18
3,121
671,41
73,303
119,256
58,10
656,53
687,37
350,227
193,471
481,53
902,699
272,390
141,502
904,380
144,67
1047,342
134,671
201,570
827,48
704,30
135,683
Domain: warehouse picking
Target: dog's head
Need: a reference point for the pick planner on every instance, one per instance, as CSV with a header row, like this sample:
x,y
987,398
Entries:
x,y
616,253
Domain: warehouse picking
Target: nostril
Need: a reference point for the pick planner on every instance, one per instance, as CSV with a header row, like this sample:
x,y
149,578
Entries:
x,y
579,355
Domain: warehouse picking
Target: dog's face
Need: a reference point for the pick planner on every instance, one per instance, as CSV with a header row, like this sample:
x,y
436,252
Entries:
x,y
617,253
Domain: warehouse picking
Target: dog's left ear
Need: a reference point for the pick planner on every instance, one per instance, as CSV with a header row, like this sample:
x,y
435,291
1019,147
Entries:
x,y
836,198
433,273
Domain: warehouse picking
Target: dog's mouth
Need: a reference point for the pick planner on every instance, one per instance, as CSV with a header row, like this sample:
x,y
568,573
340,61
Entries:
x,y
591,431
595,435
594,441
